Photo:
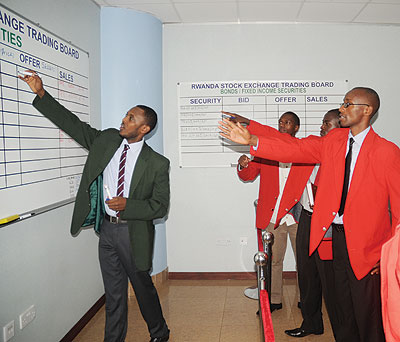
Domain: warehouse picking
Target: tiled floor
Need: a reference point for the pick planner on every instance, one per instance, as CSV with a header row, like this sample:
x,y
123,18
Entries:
x,y
211,311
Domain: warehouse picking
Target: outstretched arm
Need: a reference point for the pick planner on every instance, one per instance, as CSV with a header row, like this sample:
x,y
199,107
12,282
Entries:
x,y
63,118
237,133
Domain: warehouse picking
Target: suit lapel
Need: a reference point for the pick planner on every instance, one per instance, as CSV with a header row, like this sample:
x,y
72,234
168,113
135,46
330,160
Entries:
x,y
339,156
107,153
362,164
140,167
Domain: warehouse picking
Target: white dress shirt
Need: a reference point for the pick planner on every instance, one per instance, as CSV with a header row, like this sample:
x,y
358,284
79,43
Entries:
x,y
358,141
284,170
305,197
110,173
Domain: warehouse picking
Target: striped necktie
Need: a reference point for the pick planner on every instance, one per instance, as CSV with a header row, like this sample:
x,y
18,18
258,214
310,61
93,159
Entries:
x,y
121,173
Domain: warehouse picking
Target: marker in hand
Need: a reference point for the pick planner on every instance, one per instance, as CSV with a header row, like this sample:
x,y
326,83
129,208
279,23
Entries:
x,y
28,73
108,192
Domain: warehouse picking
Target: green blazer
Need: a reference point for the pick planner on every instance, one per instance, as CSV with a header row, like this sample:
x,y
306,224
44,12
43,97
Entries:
x,y
149,190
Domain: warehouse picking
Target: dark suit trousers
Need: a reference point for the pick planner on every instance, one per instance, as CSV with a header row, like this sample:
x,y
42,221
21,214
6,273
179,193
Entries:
x,y
358,301
315,278
117,265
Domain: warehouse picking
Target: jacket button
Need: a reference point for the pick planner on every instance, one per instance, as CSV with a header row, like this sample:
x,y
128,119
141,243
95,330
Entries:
x,y
295,199
287,209
324,229
333,213
272,209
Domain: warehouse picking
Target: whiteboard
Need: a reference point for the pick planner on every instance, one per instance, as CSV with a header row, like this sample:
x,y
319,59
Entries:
x,y
200,105
39,164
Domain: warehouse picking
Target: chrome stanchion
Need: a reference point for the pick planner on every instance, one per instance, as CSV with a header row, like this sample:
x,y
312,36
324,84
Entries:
x,y
268,239
260,259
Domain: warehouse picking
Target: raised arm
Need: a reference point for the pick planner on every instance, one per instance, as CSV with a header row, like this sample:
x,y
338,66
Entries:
x,y
280,147
63,118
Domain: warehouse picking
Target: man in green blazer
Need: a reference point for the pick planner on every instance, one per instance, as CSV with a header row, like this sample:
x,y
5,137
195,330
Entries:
x,y
125,221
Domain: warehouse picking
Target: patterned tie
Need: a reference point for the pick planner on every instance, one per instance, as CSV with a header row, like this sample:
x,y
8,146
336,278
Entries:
x,y
121,173
346,178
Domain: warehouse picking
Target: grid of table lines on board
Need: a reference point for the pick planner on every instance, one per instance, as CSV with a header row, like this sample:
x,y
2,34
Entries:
x,y
32,149
199,131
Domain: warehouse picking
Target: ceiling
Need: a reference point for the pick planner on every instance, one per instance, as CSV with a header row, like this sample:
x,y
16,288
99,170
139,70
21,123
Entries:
x,y
236,11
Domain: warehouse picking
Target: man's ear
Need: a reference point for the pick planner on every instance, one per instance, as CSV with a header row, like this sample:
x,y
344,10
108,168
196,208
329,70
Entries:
x,y
296,128
145,129
368,111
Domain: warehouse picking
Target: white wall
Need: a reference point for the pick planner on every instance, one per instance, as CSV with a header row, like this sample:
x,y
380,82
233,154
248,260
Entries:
x,y
40,262
211,203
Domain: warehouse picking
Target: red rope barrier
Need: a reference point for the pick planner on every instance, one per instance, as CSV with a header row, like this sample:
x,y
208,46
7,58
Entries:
x,y
266,317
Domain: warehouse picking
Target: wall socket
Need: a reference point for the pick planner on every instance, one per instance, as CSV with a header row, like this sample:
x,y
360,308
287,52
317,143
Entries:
x,y
27,316
8,331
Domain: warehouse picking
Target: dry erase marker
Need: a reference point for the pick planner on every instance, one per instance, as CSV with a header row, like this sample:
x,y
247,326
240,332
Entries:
x,y
28,73
108,191
228,116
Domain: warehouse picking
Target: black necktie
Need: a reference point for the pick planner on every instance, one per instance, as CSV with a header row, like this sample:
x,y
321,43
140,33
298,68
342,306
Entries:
x,y
346,177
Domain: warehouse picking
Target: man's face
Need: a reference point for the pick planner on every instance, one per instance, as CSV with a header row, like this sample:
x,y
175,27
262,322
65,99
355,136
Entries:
x,y
329,122
287,124
134,126
354,114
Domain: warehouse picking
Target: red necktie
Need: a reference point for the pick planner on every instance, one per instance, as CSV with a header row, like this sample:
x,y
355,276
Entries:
x,y
121,173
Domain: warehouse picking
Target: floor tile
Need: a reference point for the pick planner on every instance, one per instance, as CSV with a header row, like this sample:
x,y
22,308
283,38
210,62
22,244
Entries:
x,y
211,311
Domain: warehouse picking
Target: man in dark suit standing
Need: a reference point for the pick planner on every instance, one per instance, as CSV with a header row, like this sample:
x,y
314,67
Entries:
x,y
360,174
122,166
315,271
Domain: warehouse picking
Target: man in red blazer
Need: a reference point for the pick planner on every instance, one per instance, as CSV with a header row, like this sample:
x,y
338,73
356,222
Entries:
x,y
364,225
281,186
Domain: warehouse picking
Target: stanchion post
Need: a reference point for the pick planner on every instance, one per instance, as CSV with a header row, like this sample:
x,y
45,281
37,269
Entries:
x,y
260,259
268,239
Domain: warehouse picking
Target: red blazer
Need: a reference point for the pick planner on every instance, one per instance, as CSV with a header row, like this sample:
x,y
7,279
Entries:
x,y
375,181
269,183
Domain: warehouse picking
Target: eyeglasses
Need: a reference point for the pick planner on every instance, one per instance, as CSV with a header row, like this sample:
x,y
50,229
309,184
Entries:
x,y
348,104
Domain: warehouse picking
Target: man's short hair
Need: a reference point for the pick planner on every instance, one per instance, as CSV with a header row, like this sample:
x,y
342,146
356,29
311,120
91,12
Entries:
x,y
296,119
373,97
150,116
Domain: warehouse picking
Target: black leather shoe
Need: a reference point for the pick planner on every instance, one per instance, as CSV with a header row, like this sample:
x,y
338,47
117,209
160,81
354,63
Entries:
x,y
274,307
160,339
299,332
299,305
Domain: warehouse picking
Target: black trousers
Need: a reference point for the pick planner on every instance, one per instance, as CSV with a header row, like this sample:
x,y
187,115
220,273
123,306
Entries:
x,y
315,278
117,265
358,301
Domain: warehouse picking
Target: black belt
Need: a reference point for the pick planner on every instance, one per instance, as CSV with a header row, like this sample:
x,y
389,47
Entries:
x,y
338,227
114,220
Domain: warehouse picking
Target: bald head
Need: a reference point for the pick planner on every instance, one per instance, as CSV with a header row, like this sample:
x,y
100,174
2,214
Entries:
x,y
370,97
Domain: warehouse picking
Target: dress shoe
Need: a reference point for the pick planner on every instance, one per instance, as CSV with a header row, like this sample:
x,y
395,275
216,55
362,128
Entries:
x,y
299,305
299,332
274,307
160,339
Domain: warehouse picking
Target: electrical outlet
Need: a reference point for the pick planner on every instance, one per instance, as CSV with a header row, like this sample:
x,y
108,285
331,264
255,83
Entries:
x,y
8,331
243,241
27,316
